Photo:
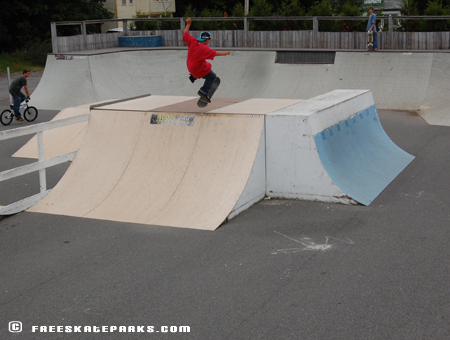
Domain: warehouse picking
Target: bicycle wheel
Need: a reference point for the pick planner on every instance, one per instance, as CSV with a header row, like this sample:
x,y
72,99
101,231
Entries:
x,y
6,117
30,113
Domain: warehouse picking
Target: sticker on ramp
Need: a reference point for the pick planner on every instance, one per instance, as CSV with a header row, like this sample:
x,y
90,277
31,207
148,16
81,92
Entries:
x,y
164,119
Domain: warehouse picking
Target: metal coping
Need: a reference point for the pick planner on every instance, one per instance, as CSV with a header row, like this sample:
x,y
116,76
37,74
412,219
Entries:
x,y
96,106
305,57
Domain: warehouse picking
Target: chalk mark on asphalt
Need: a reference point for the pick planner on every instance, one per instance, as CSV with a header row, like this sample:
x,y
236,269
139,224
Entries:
x,y
308,244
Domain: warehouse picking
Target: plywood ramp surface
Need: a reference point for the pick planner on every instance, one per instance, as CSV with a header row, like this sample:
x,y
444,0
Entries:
x,y
170,169
62,140
68,138
58,141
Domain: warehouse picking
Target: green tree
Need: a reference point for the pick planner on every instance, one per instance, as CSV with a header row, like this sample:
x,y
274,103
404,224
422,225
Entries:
x,y
352,6
209,25
154,25
200,5
293,8
418,7
435,8
261,8
350,9
237,11
324,8
26,21
190,12
409,7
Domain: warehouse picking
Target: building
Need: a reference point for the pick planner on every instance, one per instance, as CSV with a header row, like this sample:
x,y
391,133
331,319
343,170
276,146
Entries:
x,y
125,9
390,7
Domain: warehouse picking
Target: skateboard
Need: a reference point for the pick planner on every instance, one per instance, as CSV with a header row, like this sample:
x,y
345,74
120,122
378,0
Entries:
x,y
212,90
370,41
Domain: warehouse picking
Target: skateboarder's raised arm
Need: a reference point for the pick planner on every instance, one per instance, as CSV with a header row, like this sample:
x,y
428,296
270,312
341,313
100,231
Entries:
x,y
218,53
188,25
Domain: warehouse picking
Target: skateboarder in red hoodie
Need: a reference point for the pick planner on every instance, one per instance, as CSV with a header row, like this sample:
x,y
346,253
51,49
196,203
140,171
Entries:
x,y
198,52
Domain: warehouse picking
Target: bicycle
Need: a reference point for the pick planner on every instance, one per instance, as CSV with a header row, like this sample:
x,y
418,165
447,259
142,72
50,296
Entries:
x,y
30,113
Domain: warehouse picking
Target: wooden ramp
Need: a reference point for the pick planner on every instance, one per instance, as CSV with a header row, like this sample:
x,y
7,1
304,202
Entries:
x,y
59,141
171,165
67,139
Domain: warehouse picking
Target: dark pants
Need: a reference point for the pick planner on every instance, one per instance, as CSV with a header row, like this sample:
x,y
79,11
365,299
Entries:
x,y
209,80
375,40
17,99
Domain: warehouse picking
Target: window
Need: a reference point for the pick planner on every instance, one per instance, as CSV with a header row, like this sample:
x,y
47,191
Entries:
x,y
124,2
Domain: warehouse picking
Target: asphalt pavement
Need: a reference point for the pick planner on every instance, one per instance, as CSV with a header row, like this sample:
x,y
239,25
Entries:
x,y
283,269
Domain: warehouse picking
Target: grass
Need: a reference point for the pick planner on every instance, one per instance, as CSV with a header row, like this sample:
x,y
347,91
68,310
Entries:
x,y
16,62
33,57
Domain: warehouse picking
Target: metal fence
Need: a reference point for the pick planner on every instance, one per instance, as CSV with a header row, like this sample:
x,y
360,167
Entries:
x,y
291,39
40,165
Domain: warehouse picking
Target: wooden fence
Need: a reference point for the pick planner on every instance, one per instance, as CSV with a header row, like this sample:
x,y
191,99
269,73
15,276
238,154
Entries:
x,y
303,39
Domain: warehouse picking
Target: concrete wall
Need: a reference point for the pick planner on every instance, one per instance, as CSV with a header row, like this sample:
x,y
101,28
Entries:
x,y
402,81
330,148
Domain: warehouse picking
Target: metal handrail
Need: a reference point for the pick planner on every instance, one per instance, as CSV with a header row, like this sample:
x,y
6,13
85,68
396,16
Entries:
x,y
41,164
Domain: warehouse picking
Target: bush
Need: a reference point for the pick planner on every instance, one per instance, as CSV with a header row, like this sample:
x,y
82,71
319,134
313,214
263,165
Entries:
x,y
18,61
32,55
261,8
411,7
210,25
237,11
294,9
435,8
154,25
349,10
36,52
324,8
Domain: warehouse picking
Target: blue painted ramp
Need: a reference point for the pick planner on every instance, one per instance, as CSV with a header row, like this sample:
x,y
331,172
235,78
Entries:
x,y
359,156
